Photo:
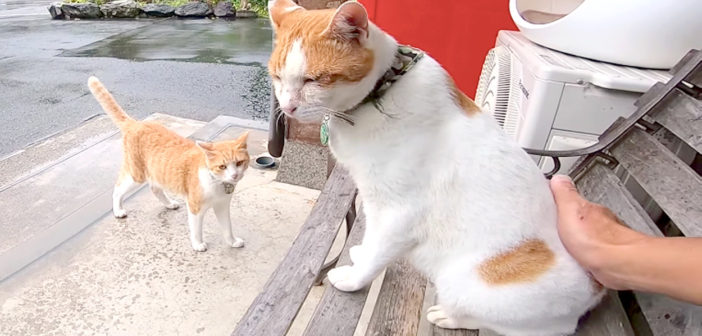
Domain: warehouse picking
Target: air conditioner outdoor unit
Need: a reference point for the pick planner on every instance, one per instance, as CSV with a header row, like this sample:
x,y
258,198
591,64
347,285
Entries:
x,y
546,99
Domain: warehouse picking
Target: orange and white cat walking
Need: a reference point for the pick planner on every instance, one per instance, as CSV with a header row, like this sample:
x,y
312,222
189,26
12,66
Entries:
x,y
203,173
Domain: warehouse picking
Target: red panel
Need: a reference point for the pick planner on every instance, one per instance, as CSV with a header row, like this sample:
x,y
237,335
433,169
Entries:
x,y
458,33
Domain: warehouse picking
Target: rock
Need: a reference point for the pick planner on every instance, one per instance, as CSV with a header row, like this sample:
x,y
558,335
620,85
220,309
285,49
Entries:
x,y
245,14
86,10
194,9
158,10
225,9
55,11
120,9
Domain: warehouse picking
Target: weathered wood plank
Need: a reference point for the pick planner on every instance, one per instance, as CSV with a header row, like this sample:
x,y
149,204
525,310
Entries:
x,y
671,183
695,78
274,309
689,57
608,318
668,317
399,302
649,95
337,312
436,331
600,185
682,115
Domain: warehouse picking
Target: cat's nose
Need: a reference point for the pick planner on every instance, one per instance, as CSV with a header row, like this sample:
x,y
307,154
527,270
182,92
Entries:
x,y
290,110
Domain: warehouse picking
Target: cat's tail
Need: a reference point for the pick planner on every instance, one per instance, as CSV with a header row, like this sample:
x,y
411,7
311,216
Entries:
x,y
108,103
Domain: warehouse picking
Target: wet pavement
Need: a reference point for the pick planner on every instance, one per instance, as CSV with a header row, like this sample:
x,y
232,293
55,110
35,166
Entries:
x,y
196,69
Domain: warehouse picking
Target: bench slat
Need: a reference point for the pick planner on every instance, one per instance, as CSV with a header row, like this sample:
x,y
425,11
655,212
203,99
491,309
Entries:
x,y
608,318
600,185
682,115
399,304
337,312
275,307
695,77
669,317
671,183
436,331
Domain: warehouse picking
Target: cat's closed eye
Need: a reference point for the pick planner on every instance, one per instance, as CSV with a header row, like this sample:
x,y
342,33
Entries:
x,y
239,163
309,80
222,167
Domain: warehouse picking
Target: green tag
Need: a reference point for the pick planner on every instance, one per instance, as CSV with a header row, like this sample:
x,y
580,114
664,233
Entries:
x,y
324,131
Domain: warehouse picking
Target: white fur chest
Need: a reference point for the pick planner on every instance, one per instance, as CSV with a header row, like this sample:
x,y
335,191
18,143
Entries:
x,y
212,190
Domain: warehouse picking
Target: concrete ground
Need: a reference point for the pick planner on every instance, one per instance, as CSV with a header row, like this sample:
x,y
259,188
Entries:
x,y
139,275
196,69
67,267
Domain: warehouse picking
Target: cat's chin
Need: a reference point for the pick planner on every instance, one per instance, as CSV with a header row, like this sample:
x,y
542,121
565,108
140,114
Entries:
x,y
307,115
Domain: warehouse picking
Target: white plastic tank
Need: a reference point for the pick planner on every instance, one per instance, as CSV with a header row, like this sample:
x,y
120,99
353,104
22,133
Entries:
x,y
643,33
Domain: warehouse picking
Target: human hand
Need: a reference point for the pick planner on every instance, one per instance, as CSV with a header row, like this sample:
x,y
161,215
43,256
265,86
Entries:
x,y
592,234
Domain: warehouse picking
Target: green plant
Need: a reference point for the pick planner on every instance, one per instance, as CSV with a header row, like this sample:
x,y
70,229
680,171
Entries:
x,y
172,3
97,2
260,7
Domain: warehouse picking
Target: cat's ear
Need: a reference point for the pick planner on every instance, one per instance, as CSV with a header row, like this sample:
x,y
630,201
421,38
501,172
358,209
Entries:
x,y
241,140
207,148
350,23
277,10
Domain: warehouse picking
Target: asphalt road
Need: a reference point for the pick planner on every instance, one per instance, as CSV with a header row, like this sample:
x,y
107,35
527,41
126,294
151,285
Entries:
x,y
196,69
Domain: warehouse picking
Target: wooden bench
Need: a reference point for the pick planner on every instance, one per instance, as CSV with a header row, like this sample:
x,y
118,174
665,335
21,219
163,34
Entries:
x,y
631,149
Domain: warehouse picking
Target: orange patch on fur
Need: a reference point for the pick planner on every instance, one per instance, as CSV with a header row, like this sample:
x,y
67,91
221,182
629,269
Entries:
x,y
525,262
329,59
467,104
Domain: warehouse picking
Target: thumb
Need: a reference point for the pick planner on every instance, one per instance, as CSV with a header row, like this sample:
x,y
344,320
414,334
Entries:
x,y
565,193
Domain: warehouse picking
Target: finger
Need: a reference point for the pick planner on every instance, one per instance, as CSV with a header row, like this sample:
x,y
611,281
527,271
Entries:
x,y
565,193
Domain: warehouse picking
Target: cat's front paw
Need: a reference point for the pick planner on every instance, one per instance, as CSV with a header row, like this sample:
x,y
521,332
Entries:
x,y
236,242
200,247
173,206
119,213
345,278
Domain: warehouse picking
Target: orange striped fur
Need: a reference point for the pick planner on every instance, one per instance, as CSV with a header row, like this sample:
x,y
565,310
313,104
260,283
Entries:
x,y
330,58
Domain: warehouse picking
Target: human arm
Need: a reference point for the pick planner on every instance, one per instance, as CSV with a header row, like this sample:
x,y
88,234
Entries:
x,y
621,258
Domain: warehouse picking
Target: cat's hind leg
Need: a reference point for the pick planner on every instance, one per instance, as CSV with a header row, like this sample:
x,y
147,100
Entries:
x,y
439,316
125,184
161,195
221,210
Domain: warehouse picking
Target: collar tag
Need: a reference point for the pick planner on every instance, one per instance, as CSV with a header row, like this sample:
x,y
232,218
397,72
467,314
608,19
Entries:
x,y
324,131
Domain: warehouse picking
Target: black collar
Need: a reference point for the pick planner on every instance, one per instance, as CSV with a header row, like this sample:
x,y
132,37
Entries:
x,y
405,58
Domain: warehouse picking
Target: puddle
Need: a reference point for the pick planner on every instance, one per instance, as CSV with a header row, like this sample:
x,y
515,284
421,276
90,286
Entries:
x,y
239,42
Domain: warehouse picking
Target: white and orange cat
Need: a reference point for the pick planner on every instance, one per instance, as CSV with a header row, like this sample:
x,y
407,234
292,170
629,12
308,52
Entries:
x,y
203,173
441,183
